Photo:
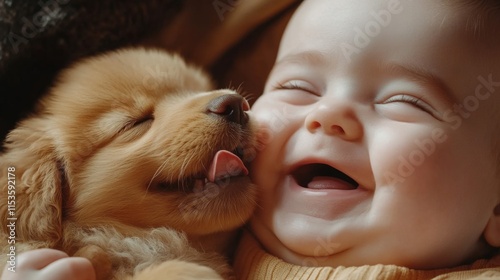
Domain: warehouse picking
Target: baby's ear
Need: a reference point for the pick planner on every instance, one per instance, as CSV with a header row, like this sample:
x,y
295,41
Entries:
x,y
31,183
492,230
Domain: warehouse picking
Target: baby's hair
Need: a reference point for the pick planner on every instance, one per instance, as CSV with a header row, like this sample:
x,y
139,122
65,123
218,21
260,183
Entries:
x,y
484,20
483,14
489,4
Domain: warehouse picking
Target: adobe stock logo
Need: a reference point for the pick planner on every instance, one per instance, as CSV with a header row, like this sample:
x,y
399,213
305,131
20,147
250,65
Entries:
x,y
362,36
223,6
471,103
48,11
455,116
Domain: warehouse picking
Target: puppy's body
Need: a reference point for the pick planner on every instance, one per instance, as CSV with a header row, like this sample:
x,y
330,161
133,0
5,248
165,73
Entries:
x,y
122,156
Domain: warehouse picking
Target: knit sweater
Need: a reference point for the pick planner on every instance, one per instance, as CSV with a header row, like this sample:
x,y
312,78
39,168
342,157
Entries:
x,y
252,262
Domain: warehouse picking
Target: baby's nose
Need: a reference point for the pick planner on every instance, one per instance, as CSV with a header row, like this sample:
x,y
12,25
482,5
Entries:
x,y
335,119
231,107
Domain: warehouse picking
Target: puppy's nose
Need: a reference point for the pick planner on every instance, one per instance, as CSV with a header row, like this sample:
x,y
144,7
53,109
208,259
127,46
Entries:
x,y
231,107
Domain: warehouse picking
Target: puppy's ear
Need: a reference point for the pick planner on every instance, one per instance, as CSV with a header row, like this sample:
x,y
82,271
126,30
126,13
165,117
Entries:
x,y
31,184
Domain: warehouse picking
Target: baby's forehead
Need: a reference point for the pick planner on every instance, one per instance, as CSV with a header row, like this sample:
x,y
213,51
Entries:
x,y
442,24
475,17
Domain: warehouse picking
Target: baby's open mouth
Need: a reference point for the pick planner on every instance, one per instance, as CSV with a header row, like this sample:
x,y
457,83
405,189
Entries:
x,y
323,176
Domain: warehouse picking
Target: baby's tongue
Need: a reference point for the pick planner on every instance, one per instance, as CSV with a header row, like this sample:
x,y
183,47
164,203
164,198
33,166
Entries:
x,y
225,164
326,182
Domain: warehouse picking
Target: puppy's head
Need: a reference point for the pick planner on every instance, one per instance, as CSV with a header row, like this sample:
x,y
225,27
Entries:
x,y
135,137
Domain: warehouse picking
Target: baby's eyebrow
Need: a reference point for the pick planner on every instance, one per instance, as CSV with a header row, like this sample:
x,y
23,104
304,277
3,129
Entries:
x,y
306,57
423,76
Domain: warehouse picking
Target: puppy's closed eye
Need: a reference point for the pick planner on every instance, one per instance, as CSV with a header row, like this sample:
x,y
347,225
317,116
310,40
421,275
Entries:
x,y
134,127
142,122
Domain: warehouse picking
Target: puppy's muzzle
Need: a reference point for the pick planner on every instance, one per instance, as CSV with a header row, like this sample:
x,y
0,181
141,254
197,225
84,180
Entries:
x,y
231,107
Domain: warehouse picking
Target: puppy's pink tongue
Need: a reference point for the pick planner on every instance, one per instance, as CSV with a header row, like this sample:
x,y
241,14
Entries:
x,y
225,164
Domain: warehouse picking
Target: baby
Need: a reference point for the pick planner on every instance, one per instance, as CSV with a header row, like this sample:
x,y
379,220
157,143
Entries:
x,y
383,142
50,264
383,146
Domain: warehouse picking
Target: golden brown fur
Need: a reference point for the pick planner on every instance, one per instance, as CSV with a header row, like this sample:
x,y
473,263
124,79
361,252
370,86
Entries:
x,y
90,163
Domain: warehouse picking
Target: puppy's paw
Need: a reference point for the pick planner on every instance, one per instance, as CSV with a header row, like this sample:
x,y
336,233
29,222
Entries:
x,y
179,270
99,259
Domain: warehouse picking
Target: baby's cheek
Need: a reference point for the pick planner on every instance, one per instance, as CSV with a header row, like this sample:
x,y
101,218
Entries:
x,y
264,136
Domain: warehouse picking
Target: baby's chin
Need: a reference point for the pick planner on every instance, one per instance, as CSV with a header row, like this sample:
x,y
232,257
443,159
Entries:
x,y
300,244
311,245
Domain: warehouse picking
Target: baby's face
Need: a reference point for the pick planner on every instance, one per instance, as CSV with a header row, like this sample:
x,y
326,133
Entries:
x,y
383,126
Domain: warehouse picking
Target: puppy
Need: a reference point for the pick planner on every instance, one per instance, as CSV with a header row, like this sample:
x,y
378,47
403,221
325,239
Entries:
x,y
132,161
